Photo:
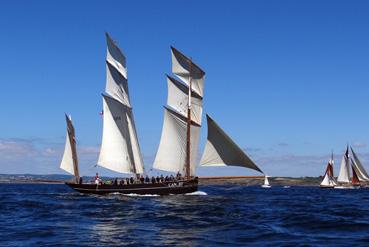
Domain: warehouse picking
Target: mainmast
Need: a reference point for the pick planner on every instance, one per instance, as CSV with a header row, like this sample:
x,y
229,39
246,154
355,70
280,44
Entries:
x,y
188,145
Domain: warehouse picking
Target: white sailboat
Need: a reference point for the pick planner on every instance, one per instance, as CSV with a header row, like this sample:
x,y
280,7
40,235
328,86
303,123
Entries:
x,y
358,171
69,162
329,181
266,183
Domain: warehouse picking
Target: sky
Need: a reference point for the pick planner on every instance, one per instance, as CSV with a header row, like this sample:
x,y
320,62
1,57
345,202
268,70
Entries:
x,y
287,80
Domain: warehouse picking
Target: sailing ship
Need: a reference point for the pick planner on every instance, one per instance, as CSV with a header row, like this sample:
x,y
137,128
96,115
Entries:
x,y
328,180
120,150
359,174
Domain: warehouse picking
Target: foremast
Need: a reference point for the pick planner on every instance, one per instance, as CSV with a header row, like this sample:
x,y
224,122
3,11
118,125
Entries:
x,y
188,145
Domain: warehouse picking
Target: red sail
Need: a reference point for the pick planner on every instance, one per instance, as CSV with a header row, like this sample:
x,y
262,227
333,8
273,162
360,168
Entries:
x,y
355,179
330,170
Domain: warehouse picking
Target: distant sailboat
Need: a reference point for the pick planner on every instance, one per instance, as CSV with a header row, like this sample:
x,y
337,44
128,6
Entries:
x,y
359,174
69,162
266,183
329,180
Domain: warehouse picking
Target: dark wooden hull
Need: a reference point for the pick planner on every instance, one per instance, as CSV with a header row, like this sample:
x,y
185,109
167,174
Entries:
x,y
164,188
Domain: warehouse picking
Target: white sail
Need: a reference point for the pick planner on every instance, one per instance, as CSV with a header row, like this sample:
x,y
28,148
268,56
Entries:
x,y
116,148
182,66
359,169
178,100
220,150
326,181
115,56
116,85
344,175
266,181
67,160
171,155
120,150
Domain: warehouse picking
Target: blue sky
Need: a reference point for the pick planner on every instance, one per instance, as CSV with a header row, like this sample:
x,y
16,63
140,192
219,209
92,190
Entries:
x,y
287,80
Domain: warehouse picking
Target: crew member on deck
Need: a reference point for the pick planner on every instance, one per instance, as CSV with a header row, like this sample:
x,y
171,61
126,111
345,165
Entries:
x,y
97,179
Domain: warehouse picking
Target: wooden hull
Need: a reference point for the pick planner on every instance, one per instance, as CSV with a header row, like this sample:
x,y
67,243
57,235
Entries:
x,y
164,188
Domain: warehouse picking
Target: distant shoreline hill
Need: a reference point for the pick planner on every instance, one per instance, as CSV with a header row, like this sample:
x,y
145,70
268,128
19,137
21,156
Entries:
x,y
239,180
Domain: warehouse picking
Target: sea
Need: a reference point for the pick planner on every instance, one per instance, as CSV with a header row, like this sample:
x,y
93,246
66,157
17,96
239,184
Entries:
x,y
216,215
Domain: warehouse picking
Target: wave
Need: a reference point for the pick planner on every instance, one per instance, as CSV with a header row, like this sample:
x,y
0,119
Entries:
x,y
197,193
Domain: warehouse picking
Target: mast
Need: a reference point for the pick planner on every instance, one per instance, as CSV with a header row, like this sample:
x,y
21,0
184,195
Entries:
x,y
188,144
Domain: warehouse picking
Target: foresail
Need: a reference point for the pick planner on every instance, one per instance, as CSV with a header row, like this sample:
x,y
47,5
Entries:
x,y
171,153
326,180
115,153
115,56
344,175
116,85
359,168
67,160
178,98
182,66
221,150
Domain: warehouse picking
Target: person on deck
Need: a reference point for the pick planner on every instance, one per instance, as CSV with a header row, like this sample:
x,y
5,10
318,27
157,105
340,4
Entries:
x,y
131,180
153,179
157,179
142,179
147,179
97,179
161,178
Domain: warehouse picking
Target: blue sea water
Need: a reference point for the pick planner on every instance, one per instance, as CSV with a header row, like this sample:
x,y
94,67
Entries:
x,y
222,215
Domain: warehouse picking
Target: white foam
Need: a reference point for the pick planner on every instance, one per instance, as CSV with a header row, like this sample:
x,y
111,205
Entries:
x,y
197,193
138,195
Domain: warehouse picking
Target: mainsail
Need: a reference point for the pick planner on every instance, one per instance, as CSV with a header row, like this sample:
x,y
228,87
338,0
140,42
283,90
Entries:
x,y
69,161
221,150
344,175
120,150
182,118
359,169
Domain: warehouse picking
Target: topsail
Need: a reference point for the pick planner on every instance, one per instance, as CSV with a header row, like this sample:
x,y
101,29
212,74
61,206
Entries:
x,y
120,150
220,150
